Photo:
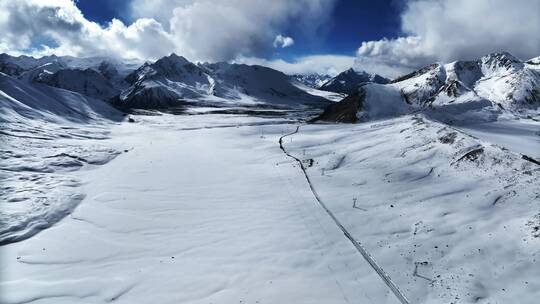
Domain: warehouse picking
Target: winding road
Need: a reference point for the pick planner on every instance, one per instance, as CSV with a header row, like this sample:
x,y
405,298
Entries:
x,y
368,257
206,215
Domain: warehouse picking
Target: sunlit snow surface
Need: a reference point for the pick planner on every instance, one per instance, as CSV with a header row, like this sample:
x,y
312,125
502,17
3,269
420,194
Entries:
x,y
451,218
202,209
207,209
46,134
38,188
521,136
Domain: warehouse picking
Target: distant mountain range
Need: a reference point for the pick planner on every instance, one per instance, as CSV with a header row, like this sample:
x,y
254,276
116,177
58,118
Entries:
x,y
311,80
348,81
345,82
173,79
494,84
168,82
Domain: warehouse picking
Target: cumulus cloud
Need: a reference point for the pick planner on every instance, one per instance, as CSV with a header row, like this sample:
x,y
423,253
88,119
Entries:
x,y
283,41
212,30
447,30
25,22
320,64
224,30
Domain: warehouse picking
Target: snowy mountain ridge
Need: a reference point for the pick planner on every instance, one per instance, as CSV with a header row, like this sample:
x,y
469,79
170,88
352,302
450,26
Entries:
x,y
312,80
492,85
18,65
173,81
96,77
168,82
349,80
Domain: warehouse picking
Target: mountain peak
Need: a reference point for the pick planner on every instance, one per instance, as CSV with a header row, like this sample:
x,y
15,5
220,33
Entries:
x,y
314,80
500,60
173,59
349,80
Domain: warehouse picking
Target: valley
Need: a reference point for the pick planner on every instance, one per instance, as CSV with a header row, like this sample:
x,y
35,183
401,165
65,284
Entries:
x,y
225,183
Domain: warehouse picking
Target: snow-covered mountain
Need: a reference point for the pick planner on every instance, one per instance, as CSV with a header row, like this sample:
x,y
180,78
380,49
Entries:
x,y
21,101
348,81
173,80
258,83
170,81
491,85
494,84
311,80
96,77
19,65
88,82
15,66
164,82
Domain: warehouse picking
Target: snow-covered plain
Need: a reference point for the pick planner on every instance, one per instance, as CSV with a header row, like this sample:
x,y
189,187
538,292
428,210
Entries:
x,y
211,205
201,209
207,209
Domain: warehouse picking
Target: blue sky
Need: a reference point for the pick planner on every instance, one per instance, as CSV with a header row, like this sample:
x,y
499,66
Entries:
x,y
103,11
350,23
354,21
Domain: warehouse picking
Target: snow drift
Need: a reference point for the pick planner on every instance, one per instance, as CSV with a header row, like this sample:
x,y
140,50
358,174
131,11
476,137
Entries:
x,y
46,133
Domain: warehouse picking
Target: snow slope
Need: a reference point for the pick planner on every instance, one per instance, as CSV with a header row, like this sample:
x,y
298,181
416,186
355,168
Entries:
x,y
96,77
451,218
46,133
20,99
521,136
196,212
261,83
88,82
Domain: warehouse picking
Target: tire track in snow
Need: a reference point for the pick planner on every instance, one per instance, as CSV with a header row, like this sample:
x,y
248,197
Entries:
x,y
367,256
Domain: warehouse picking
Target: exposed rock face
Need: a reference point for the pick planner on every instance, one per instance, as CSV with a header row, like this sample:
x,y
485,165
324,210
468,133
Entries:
x,y
344,111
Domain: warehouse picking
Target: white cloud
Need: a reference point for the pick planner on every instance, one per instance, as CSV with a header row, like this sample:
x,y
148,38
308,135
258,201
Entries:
x,y
447,30
25,22
283,41
224,30
321,64
211,30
